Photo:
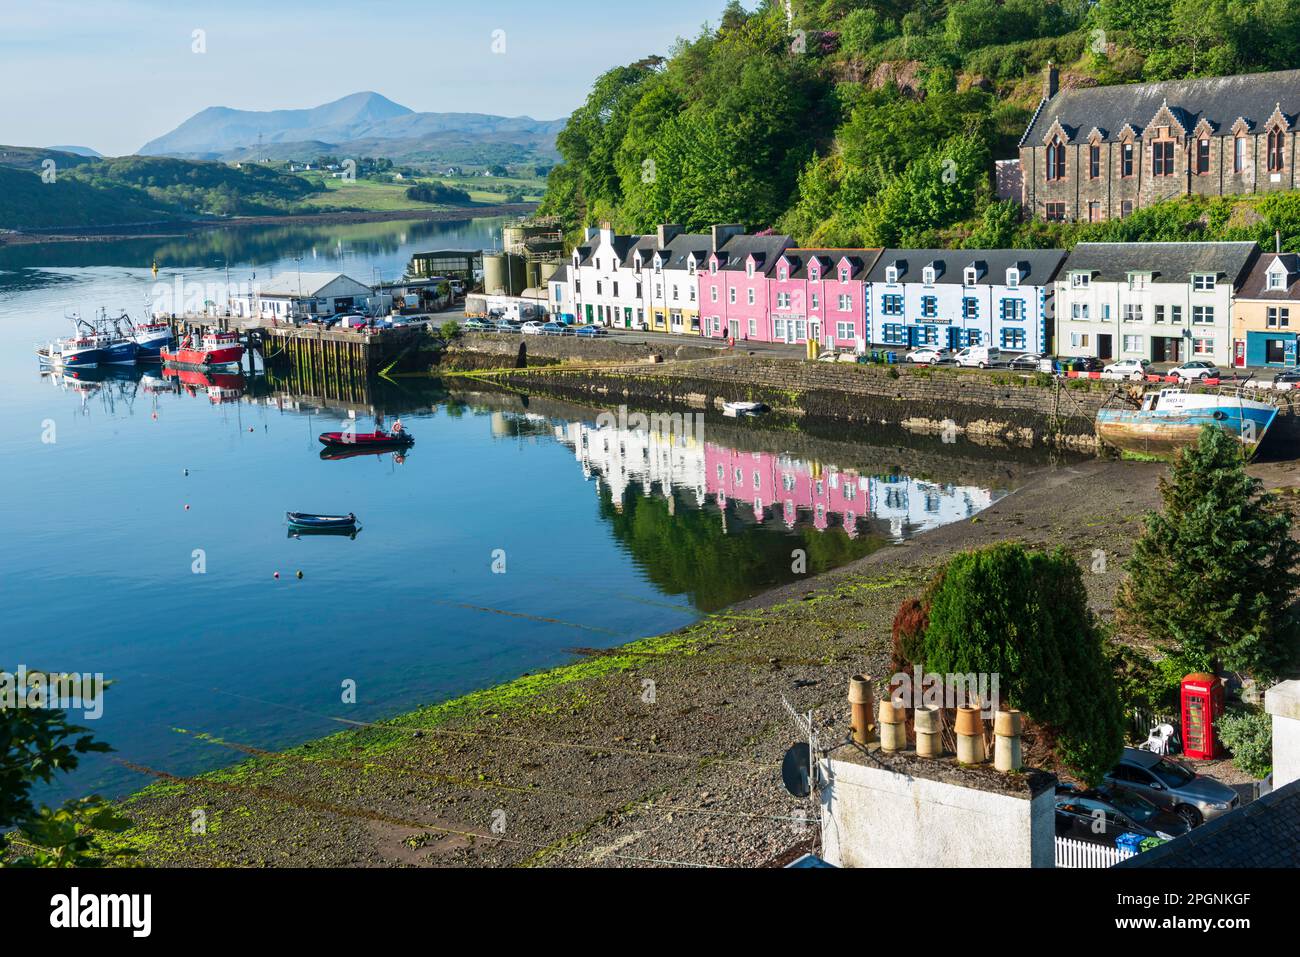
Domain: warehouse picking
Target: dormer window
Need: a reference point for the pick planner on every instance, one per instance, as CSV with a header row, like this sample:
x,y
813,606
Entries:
x,y
814,273
1275,280
927,275
1080,280
713,267
1013,278
1138,280
1204,282
690,267
891,274
749,269
844,274
970,276
783,274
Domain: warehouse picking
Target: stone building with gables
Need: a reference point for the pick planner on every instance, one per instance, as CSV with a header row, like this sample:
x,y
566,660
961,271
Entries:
x,y
1097,153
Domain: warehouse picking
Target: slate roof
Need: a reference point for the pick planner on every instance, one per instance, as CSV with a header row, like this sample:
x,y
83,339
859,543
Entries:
x,y
1221,100
766,249
1167,262
1264,833
289,283
1037,266
682,245
561,274
859,260
1255,285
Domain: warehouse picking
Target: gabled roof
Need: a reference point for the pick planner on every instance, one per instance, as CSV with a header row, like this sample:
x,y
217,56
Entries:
x,y
1263,833
766,250
1037,266
1255,285
1167,262
1221,100
860,260
307,285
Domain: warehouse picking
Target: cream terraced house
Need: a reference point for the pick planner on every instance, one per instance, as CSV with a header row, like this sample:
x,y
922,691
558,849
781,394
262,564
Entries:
x,y
1164,302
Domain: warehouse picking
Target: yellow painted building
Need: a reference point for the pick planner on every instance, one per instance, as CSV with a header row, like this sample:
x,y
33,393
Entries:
x,y
1266,313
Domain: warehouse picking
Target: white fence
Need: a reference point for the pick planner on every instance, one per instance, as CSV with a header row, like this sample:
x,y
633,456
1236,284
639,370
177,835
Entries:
x,y
1072,853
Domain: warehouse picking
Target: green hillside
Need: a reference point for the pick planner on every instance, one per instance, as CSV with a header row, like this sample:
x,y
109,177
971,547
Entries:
x,y
876,122
28,203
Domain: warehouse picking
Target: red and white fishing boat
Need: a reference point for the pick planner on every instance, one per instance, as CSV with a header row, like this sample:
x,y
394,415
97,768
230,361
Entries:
x,y
213,349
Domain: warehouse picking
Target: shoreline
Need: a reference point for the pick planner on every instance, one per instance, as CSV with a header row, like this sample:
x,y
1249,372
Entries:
x,y
579,769
171,230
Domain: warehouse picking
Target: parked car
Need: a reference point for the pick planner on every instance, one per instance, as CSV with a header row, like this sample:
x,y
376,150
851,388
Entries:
x,y
1102,814
980,357
478,324
1031,361
1195,371
531,328
507,325
1173,785
554,329
591,332
931,355
1081,364
1133,368
1287,377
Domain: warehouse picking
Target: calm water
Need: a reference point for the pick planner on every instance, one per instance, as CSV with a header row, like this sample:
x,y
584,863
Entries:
x,y
607,534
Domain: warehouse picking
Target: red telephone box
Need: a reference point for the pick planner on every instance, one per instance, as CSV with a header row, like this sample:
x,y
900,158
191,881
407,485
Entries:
x,y
1202,697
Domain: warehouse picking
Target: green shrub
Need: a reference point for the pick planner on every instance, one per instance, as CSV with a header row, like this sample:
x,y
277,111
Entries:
x,y
1249,736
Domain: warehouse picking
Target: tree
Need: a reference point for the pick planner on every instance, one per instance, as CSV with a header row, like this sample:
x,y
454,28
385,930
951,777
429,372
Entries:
x,y
35,744
1210,580
1024,616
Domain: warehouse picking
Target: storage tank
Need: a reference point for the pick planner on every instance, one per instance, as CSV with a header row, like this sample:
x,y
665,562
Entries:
x,y
532,274
516,280
546,271
494,274
512,237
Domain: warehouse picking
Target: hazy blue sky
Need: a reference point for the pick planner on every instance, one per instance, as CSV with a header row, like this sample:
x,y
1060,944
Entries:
x,y
113,74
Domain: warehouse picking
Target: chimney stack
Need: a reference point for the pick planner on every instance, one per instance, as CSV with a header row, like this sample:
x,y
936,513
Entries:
x,y
1051,81
666,233
929,722
860,705
720,234
893,726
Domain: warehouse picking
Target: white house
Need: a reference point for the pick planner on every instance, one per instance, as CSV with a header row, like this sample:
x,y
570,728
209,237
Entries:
x,y
605,282
1165,302
963,297
307,294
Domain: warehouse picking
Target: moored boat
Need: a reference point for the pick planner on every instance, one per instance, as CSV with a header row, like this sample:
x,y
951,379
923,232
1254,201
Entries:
x,y
211,349
150,337
367,440
735,409
1171,419
310,520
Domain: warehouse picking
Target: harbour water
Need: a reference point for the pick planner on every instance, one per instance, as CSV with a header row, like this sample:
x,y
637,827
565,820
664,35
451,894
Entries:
x,y
144,519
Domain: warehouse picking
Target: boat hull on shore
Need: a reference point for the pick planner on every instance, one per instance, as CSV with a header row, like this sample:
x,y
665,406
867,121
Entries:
x,y
1172,419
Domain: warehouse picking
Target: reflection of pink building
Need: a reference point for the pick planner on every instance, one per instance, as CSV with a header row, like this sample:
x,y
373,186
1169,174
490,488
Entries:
x,y
780,485
733,288
821,294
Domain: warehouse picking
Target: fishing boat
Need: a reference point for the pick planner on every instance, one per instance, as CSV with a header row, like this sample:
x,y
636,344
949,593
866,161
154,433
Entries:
x,y
371,441
1170,419
735,409
74,352
118,346
201,352
150,337
220,386
309,520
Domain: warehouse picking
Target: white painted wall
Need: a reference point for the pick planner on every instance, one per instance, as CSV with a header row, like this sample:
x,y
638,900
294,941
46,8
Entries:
x,y
876,817
1282,701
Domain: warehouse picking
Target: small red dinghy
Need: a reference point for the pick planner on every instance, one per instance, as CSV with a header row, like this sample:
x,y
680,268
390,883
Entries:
x,y
366,440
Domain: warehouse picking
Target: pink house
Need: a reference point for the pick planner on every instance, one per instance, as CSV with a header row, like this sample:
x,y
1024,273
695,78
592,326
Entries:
x,y
733,292
821,294
781,486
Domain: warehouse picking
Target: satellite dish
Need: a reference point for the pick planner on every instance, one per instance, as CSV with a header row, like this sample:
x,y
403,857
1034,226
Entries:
x,y
796,770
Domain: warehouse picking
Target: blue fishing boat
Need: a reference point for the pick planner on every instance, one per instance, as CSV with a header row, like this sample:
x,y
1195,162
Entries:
x,y
309,520
1171,419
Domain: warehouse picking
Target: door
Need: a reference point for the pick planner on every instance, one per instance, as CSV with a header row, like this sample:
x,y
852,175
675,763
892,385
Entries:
x,y
1103,346
733,328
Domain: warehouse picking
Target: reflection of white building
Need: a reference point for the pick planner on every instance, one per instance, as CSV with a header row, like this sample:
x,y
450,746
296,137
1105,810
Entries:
x,y
621,457
912,506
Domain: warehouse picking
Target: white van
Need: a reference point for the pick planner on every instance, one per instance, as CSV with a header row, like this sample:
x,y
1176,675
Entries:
x,y
979,356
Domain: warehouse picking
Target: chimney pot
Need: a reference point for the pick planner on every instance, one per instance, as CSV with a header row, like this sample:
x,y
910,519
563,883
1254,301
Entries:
x,y
928,726
1006,741
893,727
860,706
970,736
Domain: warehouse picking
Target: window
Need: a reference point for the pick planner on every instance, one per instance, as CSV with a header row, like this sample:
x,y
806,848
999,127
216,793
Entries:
x,y
814,302
1094,161
778,328
1176,314
1203,347
893,333
1079,340
692,294
974,337
783,274
929,336
1276,145
1132,312
814,272
1054,212
1055,159
753,327
929,306
1012,310
969,277
1126,208
713,294
970,308
1204,282
846,303
1133,344
1275,280
1126,160
1013,339
749,296
1239,154
843,330
844,274
1279,317
713,267
891,275
891,305
598,284
783,300
927,275
1013,278
1079,310
659,290
1160,313
731,295
1203,155
1138,281
675,292
1162,158
749,270
1202,315
1080,280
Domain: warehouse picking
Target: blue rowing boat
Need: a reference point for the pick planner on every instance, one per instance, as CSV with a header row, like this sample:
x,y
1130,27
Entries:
x,y
312,521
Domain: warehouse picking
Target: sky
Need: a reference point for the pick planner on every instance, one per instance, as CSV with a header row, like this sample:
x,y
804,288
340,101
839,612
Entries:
x,y
114,74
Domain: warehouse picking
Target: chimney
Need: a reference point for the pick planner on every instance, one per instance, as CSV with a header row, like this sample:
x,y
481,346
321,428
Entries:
x,y
1006,741
1277,241
666,233
970,736
929,722
720,234
893,726
860,705
1051,81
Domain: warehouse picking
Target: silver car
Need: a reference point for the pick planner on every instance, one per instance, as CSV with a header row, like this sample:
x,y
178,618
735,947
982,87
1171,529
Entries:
x,y
1172,785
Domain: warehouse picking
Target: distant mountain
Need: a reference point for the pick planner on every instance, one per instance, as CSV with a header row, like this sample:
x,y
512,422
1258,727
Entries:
x,y
78,150
366,124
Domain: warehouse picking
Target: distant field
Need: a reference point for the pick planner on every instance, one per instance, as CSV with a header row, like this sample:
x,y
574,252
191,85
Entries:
x,y
369,194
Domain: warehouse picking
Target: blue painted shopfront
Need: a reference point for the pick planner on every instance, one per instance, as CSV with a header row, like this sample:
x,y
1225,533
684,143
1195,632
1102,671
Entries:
x,y
1271,348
